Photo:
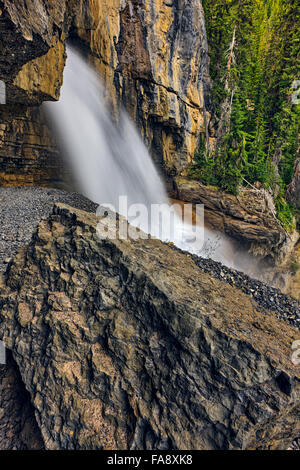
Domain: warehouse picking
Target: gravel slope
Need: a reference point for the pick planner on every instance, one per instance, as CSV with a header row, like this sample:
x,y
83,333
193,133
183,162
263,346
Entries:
x,y
22,208
285,307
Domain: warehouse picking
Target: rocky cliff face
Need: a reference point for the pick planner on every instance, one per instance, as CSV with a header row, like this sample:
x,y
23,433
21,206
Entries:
x,y
156,65
117,353
28,152
32,36
151,55
32,45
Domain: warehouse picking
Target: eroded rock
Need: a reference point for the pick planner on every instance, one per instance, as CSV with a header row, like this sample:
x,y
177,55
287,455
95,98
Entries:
x,y
18,427
152,57
28,30
126,344
28,151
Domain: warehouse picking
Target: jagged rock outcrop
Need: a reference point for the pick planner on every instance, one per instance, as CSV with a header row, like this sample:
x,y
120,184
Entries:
x,y
151,55
127,344
248,218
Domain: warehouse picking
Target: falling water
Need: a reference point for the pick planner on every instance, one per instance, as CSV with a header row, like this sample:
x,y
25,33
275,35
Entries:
x,y
107,160
110,160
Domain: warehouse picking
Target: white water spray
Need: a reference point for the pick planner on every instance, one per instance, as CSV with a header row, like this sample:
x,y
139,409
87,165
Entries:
x,y
110,160
107,160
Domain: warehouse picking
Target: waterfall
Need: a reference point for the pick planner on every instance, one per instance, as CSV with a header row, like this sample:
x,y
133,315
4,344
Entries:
x,y
110,160
107,160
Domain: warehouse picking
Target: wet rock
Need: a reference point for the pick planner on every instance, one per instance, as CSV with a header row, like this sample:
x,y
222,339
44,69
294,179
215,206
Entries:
x,y
248,218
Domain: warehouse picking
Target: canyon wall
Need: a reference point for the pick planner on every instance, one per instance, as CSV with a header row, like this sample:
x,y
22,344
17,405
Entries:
x,y
118,354
152,56
28,151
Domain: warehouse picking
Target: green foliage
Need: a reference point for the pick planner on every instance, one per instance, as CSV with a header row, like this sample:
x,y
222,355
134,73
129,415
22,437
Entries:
x,y
218,171
223,169
285,213
254,52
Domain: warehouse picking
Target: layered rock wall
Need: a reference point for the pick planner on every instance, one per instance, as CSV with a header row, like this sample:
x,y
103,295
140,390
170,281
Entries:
x,y
18,427
32,39
152,57
32,35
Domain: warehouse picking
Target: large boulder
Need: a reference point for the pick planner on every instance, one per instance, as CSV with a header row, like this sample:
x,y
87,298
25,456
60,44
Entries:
x,y
126,344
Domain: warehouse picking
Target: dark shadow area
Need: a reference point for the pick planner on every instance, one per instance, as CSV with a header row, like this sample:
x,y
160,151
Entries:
x,y
18,426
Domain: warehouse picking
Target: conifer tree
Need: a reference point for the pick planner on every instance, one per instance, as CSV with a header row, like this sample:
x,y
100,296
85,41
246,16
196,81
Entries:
x,y
254,52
